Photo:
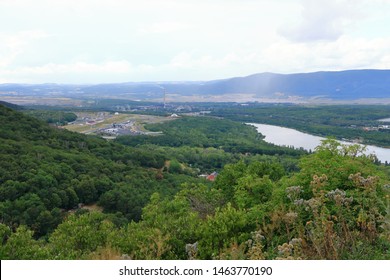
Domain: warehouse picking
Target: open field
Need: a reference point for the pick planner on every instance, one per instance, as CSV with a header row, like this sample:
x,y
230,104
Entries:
x,y
90,123
41,100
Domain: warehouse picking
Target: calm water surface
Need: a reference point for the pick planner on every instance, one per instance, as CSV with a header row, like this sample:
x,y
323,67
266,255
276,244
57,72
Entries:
x,y
283,136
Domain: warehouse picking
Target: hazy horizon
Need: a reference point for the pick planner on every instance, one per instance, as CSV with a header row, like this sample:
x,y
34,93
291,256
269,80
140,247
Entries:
x,y
188,81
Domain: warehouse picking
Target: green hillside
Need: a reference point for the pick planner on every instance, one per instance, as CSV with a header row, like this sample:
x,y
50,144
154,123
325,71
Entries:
x,y
65,195
45,172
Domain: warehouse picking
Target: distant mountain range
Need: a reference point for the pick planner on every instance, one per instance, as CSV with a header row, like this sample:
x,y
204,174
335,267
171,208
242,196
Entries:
x,y
341,85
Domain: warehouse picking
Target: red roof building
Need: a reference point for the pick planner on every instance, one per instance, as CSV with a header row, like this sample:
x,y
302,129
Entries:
x,y
212,176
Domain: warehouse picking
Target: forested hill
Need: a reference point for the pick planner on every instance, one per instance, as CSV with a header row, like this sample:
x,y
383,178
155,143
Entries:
x,y
10,105
330,85
333,85
336,85
335,206
44,172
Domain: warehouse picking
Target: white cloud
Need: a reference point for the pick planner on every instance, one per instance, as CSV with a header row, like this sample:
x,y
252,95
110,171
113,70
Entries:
x,y
13,45
188,60
77,72
77,68
133,40
345,53
282,56
163,27
321,20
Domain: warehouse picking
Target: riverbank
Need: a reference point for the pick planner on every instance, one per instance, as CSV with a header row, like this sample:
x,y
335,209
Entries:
x,y
288,137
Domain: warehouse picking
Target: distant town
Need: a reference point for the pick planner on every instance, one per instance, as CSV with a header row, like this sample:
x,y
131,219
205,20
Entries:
x,y
111,125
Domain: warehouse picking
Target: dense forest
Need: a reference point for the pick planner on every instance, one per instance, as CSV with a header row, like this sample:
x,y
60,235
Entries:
x,y
47,114
45,172
52,117
210,143
65,195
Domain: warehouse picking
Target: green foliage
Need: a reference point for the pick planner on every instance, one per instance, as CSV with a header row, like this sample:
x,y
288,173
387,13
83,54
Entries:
x,y
79,235
251,191
5,232
174,219
337,162
247,183
52,117
338,214
20,245
261,206
166,228
140,242
203,200
45,172
206,132
175,166
227,226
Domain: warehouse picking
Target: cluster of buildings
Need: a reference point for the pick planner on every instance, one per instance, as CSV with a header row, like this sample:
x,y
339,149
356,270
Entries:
x,y
376,128
88,119
156,107
117,129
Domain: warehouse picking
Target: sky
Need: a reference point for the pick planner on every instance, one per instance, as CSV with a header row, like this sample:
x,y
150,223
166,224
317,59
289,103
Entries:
x,y
103,41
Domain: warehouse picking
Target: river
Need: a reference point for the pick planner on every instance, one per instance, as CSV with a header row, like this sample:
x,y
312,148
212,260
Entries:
x,y
283,136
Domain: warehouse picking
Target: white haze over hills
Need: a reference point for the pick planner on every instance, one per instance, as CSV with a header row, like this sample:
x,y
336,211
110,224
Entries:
x,y
365,86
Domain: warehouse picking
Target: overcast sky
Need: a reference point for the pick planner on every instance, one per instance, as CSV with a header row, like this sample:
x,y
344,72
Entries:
x,y
100,41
